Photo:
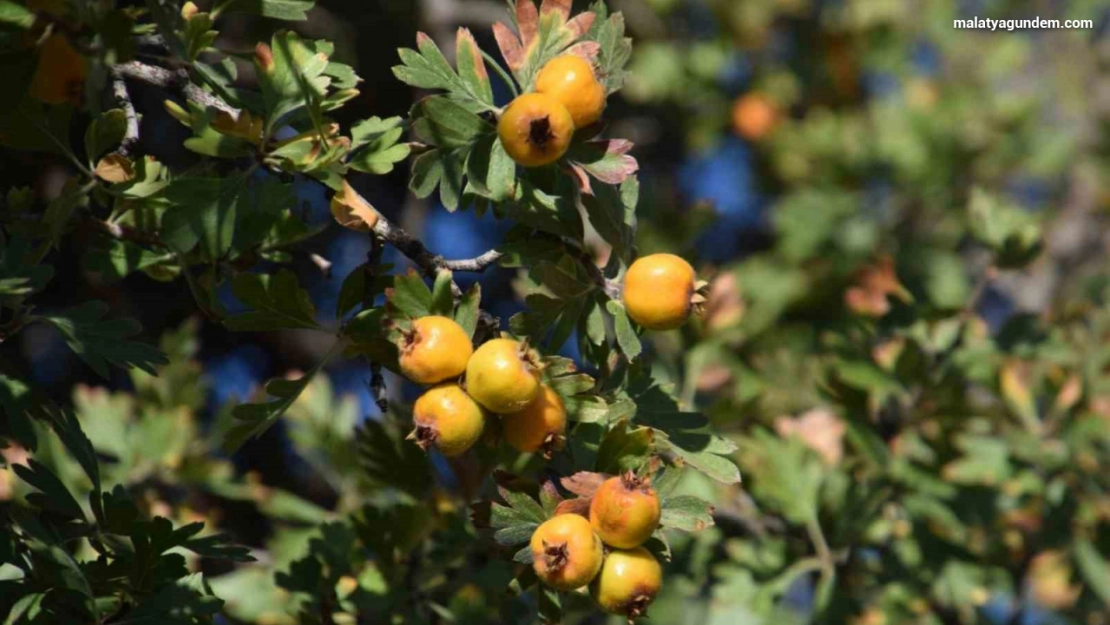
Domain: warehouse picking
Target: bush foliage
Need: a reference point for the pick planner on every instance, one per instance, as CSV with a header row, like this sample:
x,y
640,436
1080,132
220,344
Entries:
x,y
901,349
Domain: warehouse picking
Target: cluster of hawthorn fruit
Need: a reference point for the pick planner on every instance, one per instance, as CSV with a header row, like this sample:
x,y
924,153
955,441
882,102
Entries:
x,y
502,376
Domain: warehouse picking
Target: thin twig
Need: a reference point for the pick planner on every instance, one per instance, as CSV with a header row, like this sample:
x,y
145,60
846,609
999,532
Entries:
x,y
122,232
177,81
123,99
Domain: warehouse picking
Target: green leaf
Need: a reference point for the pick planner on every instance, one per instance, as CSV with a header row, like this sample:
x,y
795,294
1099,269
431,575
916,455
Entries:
x,y
612,217
627,338
515,522
101,342
19,277
115,259
410,296
202,211
472,68
374,147
427,68
443,301
17,15
254,419
278,301
53,496
289,10
1094,568
105,133
352,292
614,49
466,315
624,448
443,122
296,78
686,513
390,461
1011,232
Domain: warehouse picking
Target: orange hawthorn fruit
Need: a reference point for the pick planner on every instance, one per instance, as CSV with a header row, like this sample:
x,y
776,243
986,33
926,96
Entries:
x,y
625,511
566,554
60,74
434,349
628,582
503,376
754,116
448,419
535,129
571,81
659,291
541,426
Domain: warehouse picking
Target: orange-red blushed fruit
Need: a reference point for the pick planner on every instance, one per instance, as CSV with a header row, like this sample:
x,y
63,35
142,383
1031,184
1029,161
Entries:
x,y
753,116
566,554
535,129
434,349
448,419
539,427
659,291
625,511
570,79
628,582
502,375
60,74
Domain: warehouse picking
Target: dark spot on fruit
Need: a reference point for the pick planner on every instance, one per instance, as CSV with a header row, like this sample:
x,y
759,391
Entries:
x,y
539,133
555,555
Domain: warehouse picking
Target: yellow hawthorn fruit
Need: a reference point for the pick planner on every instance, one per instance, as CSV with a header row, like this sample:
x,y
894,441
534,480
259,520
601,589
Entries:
x,y
659,291
434,349
448,419
566,554
535,129
502,375
541,426
753,116
60,74
570,79
625,511
628,582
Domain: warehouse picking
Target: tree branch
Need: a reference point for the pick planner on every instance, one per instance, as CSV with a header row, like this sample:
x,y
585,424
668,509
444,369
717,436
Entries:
x,y
123,233
177,81
123,99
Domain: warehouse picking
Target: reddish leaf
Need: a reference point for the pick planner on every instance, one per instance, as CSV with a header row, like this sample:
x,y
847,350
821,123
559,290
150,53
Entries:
x,y
581,178
581,23
562,7
584,483
527,21
588,50
579,506
509,45
606,160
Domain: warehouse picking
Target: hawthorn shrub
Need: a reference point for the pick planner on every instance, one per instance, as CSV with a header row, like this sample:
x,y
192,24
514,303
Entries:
x,y
904,359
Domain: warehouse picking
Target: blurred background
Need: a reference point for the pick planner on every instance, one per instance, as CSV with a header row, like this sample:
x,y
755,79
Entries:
x,y
854,174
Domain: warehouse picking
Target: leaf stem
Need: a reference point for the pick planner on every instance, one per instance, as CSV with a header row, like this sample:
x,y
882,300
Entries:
x,y
501,72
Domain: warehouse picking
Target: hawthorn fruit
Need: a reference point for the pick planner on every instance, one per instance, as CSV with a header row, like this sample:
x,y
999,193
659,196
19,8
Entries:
x,y
535,129
625,511
503,376
448,419
570,80
659,291
628,582
566,553
434,349
539,427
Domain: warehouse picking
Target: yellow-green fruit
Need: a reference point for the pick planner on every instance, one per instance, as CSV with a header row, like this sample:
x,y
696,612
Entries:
x,y
535,129
658,290
570,80
502,376
541,426
566,554
625,511
448,419
628,582
434,349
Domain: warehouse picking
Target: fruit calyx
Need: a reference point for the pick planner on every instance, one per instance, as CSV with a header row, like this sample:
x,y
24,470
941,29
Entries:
x,y
637,606
552,443
633,482
539,132
699,297
425,436
555,555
